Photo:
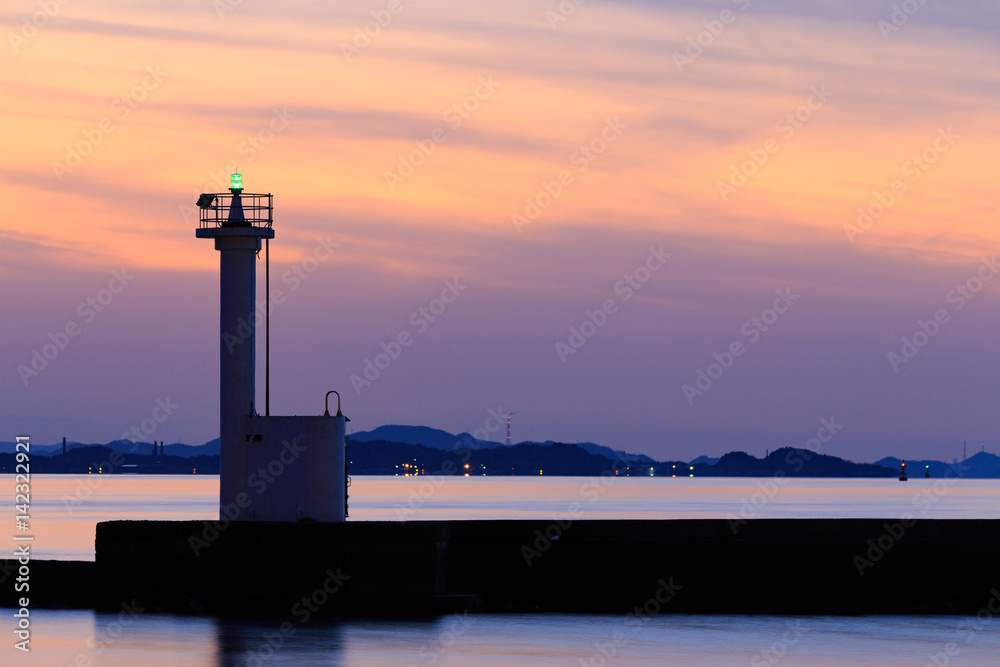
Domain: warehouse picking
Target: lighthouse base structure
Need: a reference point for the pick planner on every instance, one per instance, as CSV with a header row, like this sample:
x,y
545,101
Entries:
x,y
284,469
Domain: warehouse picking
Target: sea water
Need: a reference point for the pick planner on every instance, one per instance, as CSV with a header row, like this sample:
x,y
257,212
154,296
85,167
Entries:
x,y
66,508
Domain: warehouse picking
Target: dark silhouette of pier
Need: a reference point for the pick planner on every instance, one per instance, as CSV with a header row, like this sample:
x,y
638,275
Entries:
x,y
794,566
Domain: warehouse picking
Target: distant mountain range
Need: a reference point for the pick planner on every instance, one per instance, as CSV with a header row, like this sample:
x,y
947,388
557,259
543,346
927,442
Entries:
x,y
789,462
384,449
101,459
125,446
422,435
981,465
437,439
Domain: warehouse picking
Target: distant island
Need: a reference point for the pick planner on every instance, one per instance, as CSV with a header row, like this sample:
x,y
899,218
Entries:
x,y
420,450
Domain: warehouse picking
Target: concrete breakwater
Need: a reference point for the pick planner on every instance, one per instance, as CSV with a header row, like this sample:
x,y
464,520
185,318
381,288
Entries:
x,y
628,567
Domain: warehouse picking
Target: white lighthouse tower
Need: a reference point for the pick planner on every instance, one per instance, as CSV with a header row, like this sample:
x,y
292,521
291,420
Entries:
x,y
271,468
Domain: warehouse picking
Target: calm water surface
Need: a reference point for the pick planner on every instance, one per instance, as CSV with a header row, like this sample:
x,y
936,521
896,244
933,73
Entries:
x,y
71,637
65,510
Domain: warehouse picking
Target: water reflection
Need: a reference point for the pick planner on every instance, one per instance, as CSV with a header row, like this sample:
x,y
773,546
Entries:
x,y
67,508
66,638
277,642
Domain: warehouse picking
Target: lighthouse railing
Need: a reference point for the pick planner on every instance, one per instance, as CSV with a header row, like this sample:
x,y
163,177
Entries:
x,y
258,209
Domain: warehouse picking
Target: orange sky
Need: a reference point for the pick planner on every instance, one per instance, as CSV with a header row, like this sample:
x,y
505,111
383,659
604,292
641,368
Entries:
x,y
266,88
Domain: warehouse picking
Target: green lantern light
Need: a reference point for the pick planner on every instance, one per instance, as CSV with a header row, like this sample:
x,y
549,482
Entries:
x,y
236,182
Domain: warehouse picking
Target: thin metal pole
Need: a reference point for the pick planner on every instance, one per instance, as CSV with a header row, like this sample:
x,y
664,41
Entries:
x,y
267,327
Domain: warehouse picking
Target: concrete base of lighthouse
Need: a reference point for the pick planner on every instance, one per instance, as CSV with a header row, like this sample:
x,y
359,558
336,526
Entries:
x,y
284,469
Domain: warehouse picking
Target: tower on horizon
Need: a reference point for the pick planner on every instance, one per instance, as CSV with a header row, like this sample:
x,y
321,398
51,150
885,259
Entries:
x,y
270,468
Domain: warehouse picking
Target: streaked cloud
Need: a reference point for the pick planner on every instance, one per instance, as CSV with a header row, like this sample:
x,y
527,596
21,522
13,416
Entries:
x,y
266,89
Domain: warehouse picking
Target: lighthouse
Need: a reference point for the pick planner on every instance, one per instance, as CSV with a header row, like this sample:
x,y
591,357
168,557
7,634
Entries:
x,y
272,468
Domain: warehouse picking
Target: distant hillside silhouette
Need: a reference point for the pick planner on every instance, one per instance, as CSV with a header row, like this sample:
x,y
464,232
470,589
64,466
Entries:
x,y
378,457
438,439
98,459
791,462
381,450
979,465
124,446
421,435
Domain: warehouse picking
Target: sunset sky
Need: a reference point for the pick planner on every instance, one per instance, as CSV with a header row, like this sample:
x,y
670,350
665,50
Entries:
x,y
536,152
